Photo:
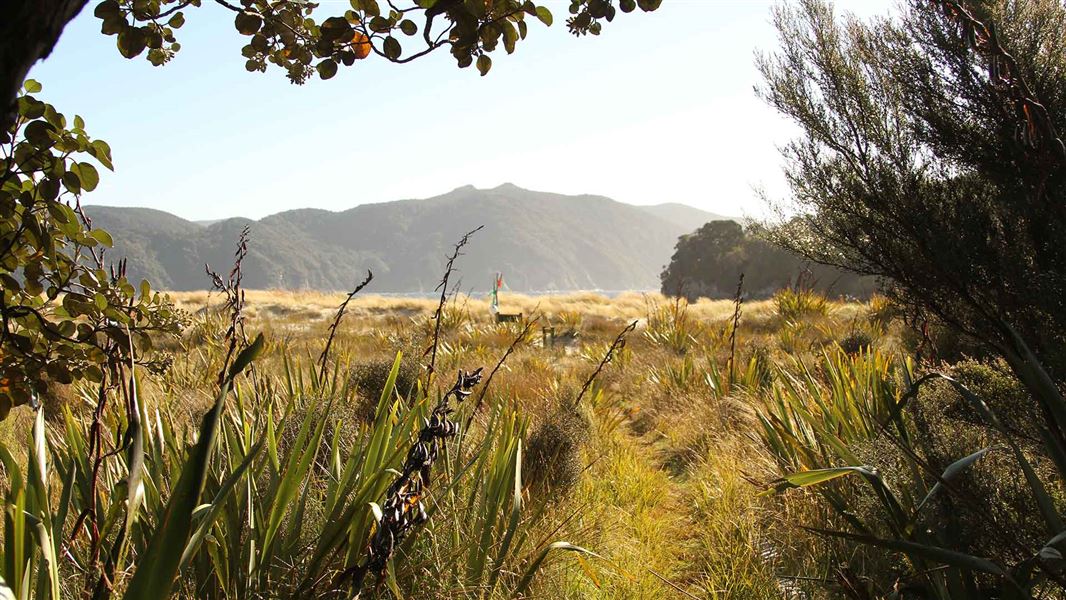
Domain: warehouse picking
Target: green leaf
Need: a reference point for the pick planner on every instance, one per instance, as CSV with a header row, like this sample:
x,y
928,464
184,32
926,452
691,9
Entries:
x,y
379,25
102,152
408,27
71,181
510,37
103,237
246,356
531,571
177,20
89,176
484,63
544,15
107,8
247,23
814,477
327,68
953,470
38,133
392,48
131,42
32,86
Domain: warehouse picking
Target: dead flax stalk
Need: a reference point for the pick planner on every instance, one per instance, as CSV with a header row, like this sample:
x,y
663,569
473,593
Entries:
x,y
449,268
403,509
337,321
618,343
738,301
231,288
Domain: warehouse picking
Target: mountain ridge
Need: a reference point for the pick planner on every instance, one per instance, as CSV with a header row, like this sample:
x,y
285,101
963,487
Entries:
x,y
540,240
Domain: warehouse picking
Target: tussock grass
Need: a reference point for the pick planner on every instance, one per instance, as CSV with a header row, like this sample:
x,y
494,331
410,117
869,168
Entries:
x,y
657,471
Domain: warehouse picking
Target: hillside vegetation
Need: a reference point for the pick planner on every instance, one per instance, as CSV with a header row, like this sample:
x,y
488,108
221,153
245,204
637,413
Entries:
x,y
540,241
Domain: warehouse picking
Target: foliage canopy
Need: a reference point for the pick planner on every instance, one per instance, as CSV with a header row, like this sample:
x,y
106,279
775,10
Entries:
x,y
929,156
298,37
710,261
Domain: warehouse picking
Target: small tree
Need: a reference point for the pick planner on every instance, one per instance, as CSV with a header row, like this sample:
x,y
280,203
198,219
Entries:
x,y
930,157
709,261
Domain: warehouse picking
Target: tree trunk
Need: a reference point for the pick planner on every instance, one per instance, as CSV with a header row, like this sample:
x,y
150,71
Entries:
x,y
29,29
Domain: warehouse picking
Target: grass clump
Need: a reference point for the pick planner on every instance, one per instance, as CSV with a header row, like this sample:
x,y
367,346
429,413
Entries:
x,y
368,378
554,451
798,304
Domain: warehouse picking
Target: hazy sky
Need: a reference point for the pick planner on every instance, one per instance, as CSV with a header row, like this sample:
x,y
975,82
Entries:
x,y
659,108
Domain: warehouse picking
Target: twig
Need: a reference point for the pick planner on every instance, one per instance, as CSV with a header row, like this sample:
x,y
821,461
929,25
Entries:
x,y
618,343
1038,131
443,287
337,321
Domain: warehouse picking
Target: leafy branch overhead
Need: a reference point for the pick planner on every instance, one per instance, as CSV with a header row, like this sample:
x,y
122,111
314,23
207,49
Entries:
x,y
65,313
304,38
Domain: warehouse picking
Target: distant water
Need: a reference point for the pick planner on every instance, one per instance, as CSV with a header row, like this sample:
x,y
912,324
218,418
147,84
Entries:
x,y
478,293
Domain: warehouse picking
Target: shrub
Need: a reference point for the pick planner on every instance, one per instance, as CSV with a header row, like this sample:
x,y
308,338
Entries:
x,y
855,342
553,453
882,310
368,378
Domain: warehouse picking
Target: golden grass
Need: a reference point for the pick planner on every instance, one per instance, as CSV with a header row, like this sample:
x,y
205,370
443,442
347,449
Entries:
x,y
312,305
665,497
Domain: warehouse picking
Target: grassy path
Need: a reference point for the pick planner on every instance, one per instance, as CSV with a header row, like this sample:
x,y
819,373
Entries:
x,y
691,532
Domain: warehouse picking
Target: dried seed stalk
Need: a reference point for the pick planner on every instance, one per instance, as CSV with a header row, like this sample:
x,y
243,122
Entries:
x,y
337,321
618,343
403,508
443,287
738,300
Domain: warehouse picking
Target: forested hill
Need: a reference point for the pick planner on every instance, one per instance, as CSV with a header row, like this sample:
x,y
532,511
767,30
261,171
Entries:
x,y
540,241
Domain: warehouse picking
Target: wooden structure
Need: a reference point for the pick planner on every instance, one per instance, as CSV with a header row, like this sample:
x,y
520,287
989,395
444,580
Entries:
x,y
494,308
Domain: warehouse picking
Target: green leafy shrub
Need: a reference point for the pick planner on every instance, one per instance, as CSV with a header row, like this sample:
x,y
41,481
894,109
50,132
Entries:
x,y
856,341
67,315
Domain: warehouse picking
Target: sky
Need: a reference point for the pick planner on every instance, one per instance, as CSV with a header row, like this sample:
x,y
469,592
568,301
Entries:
x,y
659,108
